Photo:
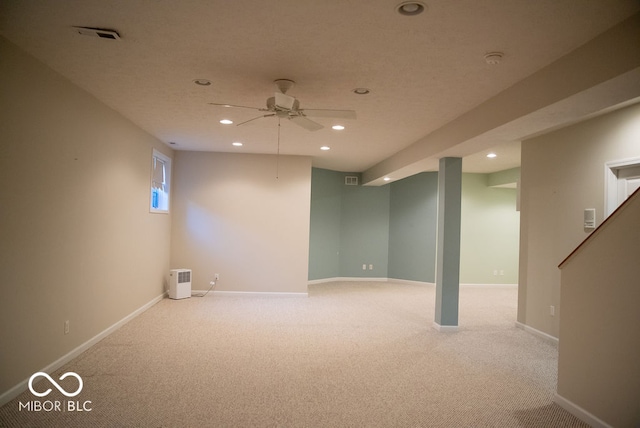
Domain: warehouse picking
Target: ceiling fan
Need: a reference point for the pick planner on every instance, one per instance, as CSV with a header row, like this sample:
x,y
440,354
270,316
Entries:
x,y
285,106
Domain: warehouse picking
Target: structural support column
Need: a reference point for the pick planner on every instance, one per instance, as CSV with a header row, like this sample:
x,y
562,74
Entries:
x,y
448,246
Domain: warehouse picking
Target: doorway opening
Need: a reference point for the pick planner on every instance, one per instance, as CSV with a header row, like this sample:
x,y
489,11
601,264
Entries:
x,y
622,178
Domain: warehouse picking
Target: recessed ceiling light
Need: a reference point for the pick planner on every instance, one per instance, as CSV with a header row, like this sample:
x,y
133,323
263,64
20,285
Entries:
x,y
202,82
338,127
173,143
325,148
491,155
361,91
386,179
226,122
237,143
410,8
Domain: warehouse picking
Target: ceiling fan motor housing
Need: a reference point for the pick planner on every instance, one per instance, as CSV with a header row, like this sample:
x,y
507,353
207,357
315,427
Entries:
x,y
272,106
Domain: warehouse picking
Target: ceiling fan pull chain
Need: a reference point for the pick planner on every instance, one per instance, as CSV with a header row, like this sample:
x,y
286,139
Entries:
x,y
278,153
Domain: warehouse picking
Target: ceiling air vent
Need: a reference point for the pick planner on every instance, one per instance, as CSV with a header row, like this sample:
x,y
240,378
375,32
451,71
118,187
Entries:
x,y
351,180
103,33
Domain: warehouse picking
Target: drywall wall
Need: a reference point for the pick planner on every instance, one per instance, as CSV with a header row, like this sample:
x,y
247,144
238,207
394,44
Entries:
x,y
349,228
232,216
393,228
364,231
78,241
412,227
507,178
562,173
598,367
326,216
489,236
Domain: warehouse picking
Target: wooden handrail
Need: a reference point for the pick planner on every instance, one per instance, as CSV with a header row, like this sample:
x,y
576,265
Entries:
x,y
597,229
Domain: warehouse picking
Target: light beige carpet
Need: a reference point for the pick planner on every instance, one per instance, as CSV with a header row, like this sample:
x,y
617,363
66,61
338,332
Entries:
x,y
358,354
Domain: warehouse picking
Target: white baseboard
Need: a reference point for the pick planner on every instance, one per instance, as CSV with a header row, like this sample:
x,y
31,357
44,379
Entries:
x,y
345,279
362,279
22,386
579,412
259,294
541,334
402,281
490,285
445,328
412,282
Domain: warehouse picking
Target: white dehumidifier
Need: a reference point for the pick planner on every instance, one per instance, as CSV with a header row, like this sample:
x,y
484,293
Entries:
x,y
179,283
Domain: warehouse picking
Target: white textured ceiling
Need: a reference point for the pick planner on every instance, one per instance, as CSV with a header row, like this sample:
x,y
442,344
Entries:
x,y
423,71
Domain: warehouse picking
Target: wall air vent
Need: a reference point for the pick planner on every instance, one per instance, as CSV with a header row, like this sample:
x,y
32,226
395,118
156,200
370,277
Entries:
x,y
351,180
103,33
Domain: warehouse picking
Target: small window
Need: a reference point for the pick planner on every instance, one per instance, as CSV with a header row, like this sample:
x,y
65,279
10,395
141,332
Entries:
x,y
160,181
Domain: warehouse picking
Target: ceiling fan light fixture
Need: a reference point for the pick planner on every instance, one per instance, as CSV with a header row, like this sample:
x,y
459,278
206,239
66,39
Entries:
x,y
361,91
410,8
226,122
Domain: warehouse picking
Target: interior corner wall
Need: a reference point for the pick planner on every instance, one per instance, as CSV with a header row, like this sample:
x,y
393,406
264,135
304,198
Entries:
x,y
234,217
562,173
326,213
364,232
349,228
78,240
489,236
413,227
393,228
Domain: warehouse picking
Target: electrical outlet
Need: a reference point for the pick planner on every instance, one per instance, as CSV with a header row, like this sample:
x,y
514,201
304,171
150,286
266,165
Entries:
x,y
552,310
66,327
501,272
495,273
217,276
370,267
364,267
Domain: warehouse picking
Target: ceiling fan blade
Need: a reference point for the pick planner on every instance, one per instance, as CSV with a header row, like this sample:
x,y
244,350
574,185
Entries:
x,y
235,106
284,101
307,124
259,117
337,114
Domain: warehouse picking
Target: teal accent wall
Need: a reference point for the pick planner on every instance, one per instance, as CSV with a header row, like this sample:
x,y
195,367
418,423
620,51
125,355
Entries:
x,y
326,215
393,228
349,228
364,231
412,227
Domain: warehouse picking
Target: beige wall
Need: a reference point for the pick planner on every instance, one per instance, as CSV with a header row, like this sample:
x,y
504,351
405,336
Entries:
x,y
562,174
78,242
598,368
232,216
